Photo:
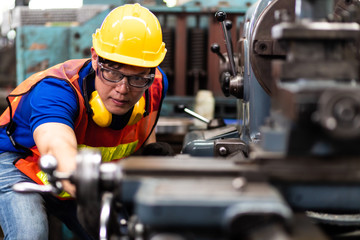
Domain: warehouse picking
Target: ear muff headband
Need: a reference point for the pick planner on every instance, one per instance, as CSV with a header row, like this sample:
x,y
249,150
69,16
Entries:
x,y
102,117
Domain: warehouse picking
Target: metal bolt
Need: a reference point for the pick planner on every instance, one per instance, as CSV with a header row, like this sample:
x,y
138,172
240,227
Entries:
x,y
223,151
239,183
331,123
123,221
139,229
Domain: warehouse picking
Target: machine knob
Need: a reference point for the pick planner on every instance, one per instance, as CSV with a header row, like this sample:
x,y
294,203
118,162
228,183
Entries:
x,y
220,16
48,164
179,108
228,24
215,48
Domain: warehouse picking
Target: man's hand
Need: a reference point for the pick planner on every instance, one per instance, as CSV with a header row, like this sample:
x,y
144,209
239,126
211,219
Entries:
x,y
69,187
58,140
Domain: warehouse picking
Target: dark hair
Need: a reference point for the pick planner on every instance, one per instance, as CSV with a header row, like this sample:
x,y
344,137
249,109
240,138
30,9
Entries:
x,y
111,63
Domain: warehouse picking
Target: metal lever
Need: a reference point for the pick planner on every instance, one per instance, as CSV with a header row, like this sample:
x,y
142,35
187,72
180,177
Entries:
x,y
192,113
215,48
105,212
48,164
220,17
27,187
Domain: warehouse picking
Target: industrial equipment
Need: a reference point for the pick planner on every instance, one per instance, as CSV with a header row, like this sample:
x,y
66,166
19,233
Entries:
x,y
291,172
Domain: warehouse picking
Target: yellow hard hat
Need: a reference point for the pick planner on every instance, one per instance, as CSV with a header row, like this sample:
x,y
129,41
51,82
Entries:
x,y
132,35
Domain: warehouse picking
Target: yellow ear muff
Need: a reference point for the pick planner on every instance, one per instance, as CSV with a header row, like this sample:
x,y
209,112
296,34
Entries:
x,y
138,111
101,115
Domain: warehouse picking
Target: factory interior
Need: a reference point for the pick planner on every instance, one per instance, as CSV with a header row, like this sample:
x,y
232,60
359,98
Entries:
x,y
262,112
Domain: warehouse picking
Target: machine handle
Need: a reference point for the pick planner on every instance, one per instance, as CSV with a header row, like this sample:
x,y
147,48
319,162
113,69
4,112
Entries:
x,y
27,187
215,48
182,107
105,212
48,164
226,26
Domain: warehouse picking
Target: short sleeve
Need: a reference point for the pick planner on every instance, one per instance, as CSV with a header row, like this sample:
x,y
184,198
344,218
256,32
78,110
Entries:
x,y
52,100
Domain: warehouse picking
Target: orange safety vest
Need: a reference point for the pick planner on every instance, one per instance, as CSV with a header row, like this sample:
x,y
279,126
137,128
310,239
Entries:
x,y
113,144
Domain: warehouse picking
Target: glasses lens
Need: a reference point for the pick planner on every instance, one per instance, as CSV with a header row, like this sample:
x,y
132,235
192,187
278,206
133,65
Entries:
x,y
137,81
111,75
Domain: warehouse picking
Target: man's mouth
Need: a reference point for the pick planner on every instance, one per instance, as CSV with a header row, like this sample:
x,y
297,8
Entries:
x,y
120,101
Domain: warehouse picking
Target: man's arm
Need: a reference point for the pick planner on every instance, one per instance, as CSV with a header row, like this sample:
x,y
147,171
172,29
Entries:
x,y
59,140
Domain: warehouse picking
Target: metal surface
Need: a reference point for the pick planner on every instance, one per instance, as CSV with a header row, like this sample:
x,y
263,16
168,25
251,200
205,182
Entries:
x,y
210,202
106,203
265,47
86,178
226,147
316,86
201,142
256,102
182,166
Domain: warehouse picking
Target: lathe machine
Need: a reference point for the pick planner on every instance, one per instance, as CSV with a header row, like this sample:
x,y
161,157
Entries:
x,y
290,170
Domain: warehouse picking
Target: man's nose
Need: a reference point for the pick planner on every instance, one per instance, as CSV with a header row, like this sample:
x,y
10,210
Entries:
x,y
123,85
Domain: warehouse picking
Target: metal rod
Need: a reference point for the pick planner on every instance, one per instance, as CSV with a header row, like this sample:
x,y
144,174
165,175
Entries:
x,y
194,114
221,16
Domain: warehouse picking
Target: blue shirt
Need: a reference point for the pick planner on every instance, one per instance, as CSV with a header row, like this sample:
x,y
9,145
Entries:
x,y
51,100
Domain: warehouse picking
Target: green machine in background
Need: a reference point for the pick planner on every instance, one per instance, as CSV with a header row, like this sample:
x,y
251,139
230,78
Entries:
x,y
64,35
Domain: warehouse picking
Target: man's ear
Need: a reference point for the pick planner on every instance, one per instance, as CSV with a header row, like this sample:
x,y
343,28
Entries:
x,y
94,57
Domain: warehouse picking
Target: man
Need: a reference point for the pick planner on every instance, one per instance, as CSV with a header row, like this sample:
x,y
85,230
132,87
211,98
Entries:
x,y
110,102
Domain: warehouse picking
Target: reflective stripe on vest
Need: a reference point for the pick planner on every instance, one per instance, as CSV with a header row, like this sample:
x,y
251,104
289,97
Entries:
x,y
110,153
